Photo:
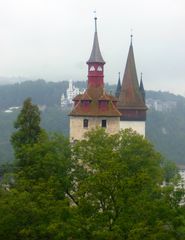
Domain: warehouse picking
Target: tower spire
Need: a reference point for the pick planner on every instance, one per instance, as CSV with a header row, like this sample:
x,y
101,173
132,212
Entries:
x,y
95,56
118,88
131,36
130,95
141,87
131,101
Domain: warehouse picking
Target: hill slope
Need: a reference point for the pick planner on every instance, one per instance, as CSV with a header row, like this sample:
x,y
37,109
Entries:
x,y
165,126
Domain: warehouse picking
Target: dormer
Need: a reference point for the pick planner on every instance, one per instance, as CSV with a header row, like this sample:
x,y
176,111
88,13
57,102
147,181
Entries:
x,y
85,101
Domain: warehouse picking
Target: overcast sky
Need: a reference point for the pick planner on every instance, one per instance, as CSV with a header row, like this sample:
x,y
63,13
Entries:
x,y
52,39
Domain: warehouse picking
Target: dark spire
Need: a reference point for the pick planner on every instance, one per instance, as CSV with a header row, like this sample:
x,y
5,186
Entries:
x,y
130,95
118,88
141,87
96,56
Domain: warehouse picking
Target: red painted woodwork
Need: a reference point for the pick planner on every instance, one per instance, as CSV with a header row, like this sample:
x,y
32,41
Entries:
x,y
95,78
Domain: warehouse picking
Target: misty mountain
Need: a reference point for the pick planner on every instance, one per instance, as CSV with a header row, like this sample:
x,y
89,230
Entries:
x,y
41,92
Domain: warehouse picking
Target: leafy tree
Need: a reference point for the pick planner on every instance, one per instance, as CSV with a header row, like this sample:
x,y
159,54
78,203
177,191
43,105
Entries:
x,y
103,187
36,206
119,193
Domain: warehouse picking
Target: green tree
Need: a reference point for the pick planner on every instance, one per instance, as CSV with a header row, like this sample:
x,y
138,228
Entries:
x,y
36,206
27,125
119,194
104,187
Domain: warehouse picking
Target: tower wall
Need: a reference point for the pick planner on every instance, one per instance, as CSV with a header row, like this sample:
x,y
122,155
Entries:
x,y
77,130
138,126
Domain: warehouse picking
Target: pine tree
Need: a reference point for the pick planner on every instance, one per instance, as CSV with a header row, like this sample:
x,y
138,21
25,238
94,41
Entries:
x,y
28,127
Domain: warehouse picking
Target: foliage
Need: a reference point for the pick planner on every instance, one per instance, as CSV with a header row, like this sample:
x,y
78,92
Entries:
x,y
119,189
6,129
103,187
168,137
41,92
27,125
36,206
55,119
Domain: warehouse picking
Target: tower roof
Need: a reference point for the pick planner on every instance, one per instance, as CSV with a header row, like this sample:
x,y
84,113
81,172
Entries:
x,y
141,86
130,95
95,102
118,88
96,56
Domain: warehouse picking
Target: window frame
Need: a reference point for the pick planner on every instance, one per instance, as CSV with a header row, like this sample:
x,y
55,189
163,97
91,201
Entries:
x,y
92,68
104,123
85,123
99,69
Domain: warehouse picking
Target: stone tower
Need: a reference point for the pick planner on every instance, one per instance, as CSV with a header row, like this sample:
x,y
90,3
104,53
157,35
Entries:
x,y
94,108
131,102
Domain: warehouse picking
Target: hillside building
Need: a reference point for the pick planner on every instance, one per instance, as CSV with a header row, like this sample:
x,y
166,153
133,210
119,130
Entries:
x,y
71,92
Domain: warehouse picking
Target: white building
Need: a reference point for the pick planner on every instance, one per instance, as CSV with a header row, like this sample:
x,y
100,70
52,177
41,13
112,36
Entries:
x,y
71,92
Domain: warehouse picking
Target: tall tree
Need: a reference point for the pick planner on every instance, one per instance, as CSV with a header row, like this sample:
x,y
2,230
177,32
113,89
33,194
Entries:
x,y
106,187
118,189
27,125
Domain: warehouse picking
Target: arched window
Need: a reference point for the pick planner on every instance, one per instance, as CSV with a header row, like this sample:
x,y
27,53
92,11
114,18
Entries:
x,y
99,69
104,123
92,68
85,123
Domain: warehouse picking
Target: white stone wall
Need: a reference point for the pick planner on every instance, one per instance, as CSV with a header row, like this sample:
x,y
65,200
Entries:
x,y
77,130
138,126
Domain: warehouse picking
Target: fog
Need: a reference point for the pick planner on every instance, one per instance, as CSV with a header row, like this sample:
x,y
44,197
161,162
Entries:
x,y
52,39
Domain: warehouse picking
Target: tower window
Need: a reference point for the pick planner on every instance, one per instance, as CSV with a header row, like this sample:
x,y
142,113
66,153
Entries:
x,y
99,69
92,68
85,123
104,123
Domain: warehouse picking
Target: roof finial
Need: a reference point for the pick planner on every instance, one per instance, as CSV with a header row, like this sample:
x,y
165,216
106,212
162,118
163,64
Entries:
x,y
118,75
95,19
141,76
131,35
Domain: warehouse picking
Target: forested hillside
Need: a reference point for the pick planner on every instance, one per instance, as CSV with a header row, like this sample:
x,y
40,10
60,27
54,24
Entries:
x,y
41,92
165,126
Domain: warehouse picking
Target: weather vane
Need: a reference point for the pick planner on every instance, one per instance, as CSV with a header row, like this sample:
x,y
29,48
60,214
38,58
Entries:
x,y
119,74
131,34
94,14
95,18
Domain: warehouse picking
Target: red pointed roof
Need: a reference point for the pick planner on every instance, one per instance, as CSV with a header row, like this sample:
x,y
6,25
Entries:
x,y
130,96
